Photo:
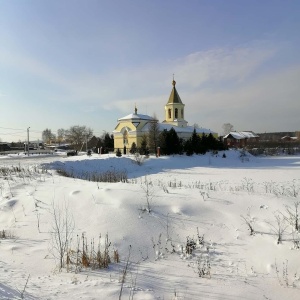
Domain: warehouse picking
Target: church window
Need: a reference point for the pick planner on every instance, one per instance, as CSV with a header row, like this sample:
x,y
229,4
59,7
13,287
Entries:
x,y
182,113
125,138
169,113
176,113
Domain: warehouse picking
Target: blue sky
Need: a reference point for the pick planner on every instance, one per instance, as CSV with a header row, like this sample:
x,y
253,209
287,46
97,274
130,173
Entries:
x,y
65,63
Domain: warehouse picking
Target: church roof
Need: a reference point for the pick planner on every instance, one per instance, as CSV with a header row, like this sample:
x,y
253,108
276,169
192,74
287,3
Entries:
x,y
136,116
174,97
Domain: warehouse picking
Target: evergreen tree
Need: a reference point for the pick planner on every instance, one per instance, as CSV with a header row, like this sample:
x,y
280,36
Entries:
x,y
133,148
144,147
196,143
169,142
204,147
108,141
153,135
173,143
163,141
188,147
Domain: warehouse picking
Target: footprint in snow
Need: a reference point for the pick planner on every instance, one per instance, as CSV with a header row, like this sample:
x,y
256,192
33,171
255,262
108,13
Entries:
x,y
74,193
264,206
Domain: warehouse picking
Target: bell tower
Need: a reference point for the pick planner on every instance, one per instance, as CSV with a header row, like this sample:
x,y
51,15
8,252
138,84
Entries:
x,y
174,109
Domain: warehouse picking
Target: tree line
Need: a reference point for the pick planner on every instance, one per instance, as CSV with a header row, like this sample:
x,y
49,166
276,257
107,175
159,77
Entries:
x,y
81,137
169,143
78,136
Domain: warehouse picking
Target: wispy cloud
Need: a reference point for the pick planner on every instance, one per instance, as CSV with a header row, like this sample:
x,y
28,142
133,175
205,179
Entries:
x,y
217,86
269,101
221,65
193,71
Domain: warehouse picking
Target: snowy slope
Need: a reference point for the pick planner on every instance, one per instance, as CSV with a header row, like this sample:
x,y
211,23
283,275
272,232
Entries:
x,y
205,194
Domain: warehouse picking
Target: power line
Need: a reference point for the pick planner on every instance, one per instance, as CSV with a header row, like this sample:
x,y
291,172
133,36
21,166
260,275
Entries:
x,y
12,128
12,133
22,129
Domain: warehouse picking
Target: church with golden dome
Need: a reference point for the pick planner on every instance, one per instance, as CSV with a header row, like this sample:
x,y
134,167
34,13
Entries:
x,y
134,127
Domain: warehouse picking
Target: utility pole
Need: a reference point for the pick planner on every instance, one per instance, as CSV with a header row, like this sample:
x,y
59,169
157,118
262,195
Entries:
x,y
28,141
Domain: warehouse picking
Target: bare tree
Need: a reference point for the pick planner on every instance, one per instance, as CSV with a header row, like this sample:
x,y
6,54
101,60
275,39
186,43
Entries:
x,y
61,134
227,127
48,136
77,135
61,231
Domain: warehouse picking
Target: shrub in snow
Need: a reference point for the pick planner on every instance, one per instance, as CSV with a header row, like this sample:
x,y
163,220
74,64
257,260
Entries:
x,y
89,255
203,266
157,247
293,215
284,279
279,228
107,176
4,234
249,221
138,158
190,245
118,153
148,188
248,184
244,155
296,244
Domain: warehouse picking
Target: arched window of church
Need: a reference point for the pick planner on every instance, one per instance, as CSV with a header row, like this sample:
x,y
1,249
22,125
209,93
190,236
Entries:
x,y
125,138
169,113
176,113
182,113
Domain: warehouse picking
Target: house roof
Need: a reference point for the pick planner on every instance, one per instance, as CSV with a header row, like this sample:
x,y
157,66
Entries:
x,y
240,135
174,96
286,137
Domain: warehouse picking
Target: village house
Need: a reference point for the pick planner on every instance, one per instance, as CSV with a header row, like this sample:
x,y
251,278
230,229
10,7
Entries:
x,y
240,139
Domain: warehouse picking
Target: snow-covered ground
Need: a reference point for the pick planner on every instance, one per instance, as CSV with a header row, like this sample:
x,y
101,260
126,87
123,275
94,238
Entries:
x,y
188,196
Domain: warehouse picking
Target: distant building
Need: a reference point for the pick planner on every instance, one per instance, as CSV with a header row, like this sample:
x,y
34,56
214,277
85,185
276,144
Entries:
x,y
131,128
34,145
277,136
287,138
240,139
4,146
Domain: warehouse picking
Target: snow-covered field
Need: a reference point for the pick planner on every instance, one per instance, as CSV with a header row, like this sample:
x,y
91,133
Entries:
x,y
206,200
